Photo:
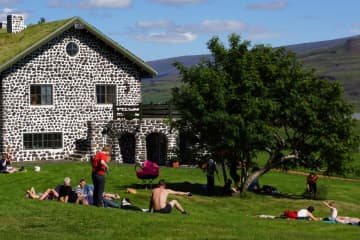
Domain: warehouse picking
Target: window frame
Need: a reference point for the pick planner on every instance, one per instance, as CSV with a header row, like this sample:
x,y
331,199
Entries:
x,y
70,51
43,140
102,97
40,98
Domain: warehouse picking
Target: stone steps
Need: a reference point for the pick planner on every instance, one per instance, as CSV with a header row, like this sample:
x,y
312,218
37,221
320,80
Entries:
x,y
81,156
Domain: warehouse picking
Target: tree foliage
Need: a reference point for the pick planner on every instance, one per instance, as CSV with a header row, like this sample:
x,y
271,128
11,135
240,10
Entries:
x,y
41,20
249,100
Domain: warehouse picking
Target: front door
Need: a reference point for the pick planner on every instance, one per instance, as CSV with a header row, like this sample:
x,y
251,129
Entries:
x,y
156,147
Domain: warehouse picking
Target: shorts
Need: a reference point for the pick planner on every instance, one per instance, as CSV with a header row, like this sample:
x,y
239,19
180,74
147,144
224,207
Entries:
x,y
166,209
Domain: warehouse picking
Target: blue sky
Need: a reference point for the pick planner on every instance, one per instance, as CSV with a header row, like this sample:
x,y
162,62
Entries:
x,y
157,29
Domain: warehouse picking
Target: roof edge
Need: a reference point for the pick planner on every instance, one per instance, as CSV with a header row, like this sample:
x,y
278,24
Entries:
x,y
148,71
37,44
141,63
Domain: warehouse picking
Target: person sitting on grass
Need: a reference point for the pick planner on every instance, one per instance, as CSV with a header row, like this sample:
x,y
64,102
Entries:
x,y
84,192
5,164
49,194
66,194
158,200
333,211
339,219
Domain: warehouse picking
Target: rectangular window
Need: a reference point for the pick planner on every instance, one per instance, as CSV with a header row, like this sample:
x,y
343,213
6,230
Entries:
x,y
41,94
42,141
105,94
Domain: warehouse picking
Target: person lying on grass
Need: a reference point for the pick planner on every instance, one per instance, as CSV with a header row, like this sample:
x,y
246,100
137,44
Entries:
x,y
49,194
302,214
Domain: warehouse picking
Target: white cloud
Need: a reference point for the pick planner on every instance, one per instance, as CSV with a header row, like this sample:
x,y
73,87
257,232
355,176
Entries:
x,y
90,3
168,32
178,2
221,26
167,37
273,5
6,11
105,3
154,24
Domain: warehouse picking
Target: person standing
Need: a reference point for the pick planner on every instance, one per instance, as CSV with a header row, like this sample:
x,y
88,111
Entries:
x,y
311,182
99,168
210,172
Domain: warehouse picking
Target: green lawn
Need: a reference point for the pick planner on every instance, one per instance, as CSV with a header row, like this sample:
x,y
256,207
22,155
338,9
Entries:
x,y
216,217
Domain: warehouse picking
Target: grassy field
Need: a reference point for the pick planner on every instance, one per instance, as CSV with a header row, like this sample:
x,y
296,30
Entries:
x,y
216,217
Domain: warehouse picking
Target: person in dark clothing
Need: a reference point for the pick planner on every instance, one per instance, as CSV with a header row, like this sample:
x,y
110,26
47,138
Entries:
x,y
66,194
311,182
99,168
210,172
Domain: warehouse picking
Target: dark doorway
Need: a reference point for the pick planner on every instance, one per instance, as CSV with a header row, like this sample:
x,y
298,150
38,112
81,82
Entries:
x,y
156,146
127,146
185,147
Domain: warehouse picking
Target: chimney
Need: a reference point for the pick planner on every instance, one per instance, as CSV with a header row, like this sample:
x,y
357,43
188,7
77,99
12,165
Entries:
x,y
15,23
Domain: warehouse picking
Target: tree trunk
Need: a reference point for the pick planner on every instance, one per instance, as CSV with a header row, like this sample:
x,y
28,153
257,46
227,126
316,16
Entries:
x,y
272,162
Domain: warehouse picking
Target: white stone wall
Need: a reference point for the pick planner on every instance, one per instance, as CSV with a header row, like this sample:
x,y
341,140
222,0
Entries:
x,y
74,103
140,128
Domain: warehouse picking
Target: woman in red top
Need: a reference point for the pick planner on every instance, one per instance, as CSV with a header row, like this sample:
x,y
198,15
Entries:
x,y
99,167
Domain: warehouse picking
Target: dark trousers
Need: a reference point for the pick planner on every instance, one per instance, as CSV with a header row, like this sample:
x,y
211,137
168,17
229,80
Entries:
x,y
312,188
210,184
99,187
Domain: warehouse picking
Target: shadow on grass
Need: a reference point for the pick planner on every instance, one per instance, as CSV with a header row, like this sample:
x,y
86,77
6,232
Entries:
x,y
200,189
194,188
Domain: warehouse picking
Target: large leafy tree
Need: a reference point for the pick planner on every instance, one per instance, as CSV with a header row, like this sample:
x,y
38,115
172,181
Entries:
x,y
245,101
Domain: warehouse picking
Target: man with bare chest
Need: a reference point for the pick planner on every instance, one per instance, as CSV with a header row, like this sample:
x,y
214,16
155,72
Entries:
x,y
159,203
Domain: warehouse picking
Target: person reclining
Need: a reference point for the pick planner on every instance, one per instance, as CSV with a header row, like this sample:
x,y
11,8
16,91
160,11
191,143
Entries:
x,y
50,194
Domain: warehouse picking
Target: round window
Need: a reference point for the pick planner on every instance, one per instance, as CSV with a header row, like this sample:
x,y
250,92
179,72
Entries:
x,y
72,49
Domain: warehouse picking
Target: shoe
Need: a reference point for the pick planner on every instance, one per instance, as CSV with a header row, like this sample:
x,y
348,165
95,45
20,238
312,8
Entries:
x,y
185,213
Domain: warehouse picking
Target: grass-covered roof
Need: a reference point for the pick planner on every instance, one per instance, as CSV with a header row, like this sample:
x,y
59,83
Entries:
x,y
15,46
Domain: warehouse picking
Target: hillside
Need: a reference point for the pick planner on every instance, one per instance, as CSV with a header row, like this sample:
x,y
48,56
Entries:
x,y
336,59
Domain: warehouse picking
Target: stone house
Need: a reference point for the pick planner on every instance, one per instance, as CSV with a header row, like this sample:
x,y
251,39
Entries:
x,y
67,89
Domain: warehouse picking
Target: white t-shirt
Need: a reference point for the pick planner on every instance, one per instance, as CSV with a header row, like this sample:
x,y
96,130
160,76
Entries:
x,y
303,213
333,214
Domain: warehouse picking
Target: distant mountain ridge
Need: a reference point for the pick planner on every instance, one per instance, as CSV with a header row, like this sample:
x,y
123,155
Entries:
x,y
335,59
